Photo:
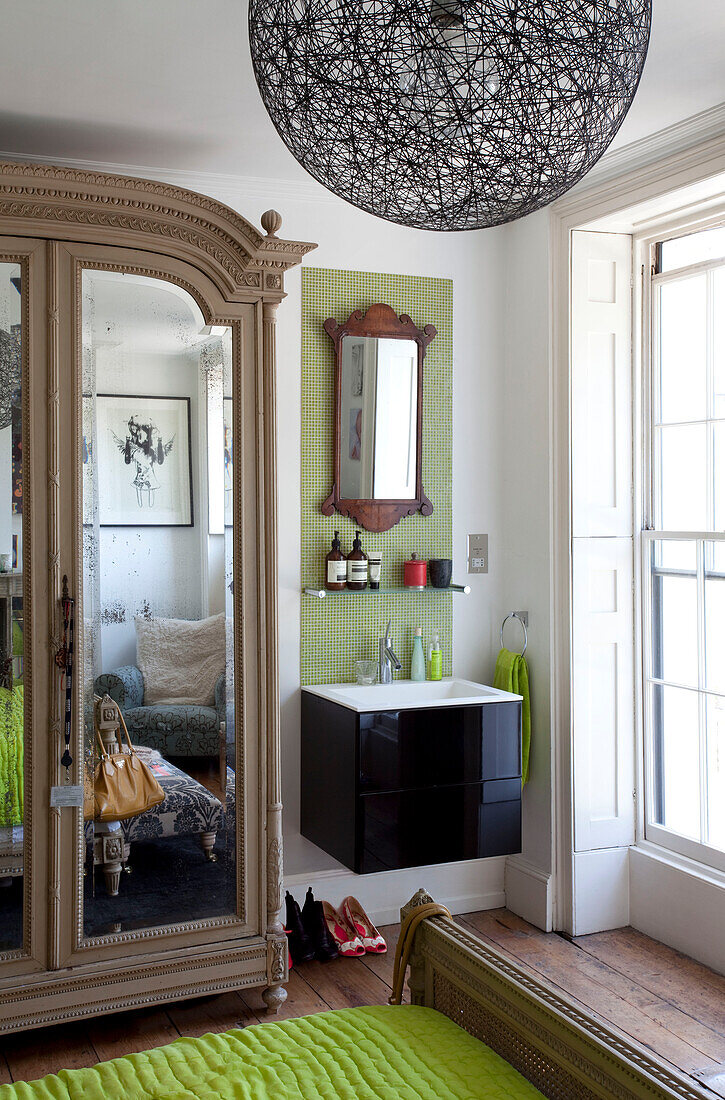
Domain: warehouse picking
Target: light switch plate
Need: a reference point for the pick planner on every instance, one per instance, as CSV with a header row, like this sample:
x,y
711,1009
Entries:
x,y
478,553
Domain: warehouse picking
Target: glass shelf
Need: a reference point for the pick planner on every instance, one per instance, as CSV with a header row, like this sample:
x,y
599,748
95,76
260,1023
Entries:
x,y
322,593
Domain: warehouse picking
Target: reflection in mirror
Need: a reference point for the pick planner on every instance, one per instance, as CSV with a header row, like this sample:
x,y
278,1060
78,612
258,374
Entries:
x,y
158,621
378,418
12,707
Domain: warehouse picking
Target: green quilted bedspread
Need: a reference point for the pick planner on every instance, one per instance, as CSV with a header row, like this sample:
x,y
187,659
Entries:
x,y
11,755
397,1052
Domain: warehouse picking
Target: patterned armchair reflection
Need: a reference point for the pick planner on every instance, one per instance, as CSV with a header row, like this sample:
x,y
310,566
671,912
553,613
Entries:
x,y
174,729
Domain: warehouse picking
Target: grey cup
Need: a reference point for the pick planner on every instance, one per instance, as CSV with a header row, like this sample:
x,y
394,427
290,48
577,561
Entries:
x,y
439,571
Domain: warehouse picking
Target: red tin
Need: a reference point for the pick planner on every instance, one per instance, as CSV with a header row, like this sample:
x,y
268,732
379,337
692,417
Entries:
x,y
415,572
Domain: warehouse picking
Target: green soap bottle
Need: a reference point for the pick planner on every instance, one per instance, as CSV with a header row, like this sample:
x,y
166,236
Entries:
x,y
435,664
417,664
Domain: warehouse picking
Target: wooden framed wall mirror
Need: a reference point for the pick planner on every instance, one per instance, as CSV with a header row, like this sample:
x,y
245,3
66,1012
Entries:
x,y
378,437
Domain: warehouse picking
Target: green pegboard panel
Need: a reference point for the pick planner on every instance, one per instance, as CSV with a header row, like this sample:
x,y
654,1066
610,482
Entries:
x,y
337,632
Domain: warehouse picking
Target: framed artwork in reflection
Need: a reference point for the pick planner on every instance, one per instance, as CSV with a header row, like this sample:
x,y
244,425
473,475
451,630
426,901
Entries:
x,y
143,461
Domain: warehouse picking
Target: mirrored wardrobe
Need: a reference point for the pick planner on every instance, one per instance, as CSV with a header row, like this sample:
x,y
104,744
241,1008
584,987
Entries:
x,y
138,619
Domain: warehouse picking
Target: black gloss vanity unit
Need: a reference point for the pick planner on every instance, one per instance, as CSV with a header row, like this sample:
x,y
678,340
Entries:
x,y
409,787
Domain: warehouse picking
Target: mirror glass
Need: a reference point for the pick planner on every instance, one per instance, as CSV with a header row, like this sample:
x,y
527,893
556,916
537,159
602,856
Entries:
x,y
12,705
157,622
378,418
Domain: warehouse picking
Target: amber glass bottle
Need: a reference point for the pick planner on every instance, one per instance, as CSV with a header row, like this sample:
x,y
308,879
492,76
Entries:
x,y
335,567
357,566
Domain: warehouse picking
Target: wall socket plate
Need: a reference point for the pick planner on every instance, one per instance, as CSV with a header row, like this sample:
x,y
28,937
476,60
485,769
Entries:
x,y
478,553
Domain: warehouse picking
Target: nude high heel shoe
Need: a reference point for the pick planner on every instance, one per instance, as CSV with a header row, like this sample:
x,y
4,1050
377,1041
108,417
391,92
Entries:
x,y
354,913
347,940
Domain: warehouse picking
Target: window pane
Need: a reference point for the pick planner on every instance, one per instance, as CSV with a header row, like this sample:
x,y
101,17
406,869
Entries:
x,y
718,284
675,554
683,478
674,629
676,750
695,248
718,475
683,393
716,772
715,631
717,550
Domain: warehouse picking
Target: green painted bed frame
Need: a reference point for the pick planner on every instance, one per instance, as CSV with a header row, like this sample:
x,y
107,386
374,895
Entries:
x,y
567,1053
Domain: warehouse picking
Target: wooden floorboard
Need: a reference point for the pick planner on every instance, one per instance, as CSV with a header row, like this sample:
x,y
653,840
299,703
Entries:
x,y
206,1014
116,1035
670,1004
616,996
302,1000
684,982
33,1054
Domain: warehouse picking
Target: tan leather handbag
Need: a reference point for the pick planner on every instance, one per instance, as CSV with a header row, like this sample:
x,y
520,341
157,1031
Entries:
x,y
124,786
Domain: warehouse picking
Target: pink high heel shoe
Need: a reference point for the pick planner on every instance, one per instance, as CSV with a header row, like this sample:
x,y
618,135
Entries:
x,y
356,916
348,942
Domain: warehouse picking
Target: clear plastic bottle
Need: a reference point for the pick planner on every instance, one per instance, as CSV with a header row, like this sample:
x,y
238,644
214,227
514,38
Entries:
x,y
435,664
417,664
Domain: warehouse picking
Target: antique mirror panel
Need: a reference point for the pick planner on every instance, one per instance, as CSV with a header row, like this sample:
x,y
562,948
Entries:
x,y
157,615
12,626
378,418
378,412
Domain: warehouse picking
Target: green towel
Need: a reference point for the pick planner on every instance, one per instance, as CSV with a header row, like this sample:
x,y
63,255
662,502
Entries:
x,y
512,674
11,755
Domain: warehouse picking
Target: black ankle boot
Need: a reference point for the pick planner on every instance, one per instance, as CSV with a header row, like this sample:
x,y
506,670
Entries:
x,y
313,918
301,947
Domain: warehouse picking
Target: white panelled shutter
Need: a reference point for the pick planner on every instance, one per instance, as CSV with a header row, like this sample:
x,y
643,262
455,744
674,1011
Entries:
x,y
602,545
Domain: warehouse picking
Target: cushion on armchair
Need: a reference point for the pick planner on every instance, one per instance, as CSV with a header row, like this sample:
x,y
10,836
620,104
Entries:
x,y
181,660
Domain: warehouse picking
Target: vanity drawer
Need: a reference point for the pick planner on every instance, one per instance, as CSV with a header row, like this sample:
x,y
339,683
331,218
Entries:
x,y
501,726
414,828
501,827
409,749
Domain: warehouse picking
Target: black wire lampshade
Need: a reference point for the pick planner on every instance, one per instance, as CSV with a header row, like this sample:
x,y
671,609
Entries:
x,y
448,114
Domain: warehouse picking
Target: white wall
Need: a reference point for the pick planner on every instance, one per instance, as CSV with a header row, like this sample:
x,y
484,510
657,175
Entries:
x,y
160,566
350,239
525,535
500,474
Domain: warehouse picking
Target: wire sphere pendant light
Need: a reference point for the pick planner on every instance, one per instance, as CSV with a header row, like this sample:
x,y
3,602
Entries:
x,y
448,114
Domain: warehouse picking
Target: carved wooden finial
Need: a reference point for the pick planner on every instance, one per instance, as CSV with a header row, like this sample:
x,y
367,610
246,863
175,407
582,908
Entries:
x,y
271,222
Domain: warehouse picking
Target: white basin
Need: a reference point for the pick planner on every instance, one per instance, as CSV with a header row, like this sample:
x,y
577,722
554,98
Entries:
x,y
411,694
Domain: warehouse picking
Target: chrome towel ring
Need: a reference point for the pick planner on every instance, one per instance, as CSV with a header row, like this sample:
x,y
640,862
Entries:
x,y
515,615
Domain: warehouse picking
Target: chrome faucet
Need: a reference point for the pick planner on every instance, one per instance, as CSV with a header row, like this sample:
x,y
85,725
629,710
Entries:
x,y
387,661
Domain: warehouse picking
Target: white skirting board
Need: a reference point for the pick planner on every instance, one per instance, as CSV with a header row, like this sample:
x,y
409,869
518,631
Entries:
x,y
528,893
464,887
601,890
684,908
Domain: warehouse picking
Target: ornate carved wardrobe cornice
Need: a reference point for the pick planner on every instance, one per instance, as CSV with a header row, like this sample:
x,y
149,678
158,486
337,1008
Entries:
x,y
49,201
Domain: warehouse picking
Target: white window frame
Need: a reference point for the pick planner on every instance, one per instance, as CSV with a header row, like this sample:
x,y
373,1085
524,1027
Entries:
x,y
645,245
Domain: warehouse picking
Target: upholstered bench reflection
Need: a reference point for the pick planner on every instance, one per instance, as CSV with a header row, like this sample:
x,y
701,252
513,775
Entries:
x,y
188,809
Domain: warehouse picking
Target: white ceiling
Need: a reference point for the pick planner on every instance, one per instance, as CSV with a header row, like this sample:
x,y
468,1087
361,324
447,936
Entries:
x,y
168,83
